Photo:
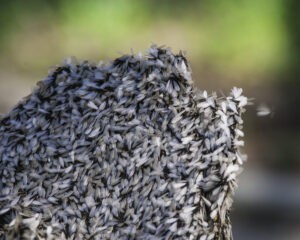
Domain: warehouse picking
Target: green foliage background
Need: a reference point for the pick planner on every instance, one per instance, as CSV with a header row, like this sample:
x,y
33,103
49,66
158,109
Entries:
x,y
234,38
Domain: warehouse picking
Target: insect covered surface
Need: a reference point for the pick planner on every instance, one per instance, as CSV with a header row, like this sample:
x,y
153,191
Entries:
x,y
126,150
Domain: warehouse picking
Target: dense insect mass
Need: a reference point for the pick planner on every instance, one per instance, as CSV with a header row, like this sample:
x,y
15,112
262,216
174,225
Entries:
x,y
126,150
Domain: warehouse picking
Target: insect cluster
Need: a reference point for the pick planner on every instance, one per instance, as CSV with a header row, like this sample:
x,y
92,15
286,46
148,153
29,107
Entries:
x,y
125,150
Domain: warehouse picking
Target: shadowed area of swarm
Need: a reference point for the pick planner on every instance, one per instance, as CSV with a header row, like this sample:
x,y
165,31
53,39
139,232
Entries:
x,y
126,150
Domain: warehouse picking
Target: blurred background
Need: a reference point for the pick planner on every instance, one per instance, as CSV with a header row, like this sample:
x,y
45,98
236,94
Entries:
x,y
250,44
